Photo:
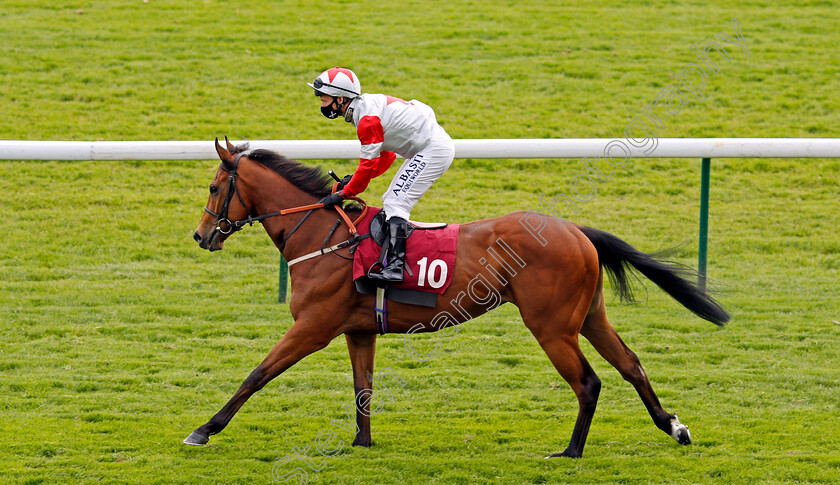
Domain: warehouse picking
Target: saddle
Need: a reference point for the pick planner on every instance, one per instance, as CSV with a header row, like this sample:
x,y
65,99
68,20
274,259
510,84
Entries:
x,y
379,228
430,258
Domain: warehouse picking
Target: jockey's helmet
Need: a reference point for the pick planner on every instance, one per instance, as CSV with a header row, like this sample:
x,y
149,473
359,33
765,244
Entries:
x,y
337,82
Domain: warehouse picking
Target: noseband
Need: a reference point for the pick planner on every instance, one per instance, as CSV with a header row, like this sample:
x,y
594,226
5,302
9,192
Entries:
x,y
222,215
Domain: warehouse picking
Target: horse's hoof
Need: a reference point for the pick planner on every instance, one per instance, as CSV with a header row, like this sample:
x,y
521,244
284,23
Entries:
x,y
196,439
680,432
683,435
362,442
565,454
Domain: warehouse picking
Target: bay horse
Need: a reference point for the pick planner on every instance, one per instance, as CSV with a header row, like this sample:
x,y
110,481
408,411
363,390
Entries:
x,y
553,275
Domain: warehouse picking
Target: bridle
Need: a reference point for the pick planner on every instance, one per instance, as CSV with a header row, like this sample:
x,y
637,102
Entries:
x,y
222,215
222,218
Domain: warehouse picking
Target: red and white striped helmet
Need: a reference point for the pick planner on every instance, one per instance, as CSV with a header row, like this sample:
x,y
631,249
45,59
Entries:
x,y
337,82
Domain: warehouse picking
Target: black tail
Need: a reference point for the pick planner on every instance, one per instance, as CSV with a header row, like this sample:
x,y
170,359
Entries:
x,y
616,257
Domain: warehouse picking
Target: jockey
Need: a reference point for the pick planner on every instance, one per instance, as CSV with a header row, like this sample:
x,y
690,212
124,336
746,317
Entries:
x,y
387,127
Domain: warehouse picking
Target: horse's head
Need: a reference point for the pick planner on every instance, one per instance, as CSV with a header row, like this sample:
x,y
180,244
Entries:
x,y
226,208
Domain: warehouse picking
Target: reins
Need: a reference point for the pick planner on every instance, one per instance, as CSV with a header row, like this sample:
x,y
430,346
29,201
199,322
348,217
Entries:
x,y
350,224
233,226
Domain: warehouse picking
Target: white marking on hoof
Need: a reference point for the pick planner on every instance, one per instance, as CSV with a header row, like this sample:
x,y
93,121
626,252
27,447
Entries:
x,y
680,432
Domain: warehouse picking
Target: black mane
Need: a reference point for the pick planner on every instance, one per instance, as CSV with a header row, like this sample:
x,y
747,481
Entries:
x,y
311,180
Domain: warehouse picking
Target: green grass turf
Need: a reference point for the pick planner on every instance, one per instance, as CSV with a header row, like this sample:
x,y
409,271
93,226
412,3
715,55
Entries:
x,y
119,335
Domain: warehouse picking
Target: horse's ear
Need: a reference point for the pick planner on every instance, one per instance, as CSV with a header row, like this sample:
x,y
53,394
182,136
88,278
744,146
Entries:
x,y
230,146
224,155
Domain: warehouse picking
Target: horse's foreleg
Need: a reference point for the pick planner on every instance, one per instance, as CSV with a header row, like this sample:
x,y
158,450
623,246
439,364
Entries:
x,y
601,334
362,347
295,345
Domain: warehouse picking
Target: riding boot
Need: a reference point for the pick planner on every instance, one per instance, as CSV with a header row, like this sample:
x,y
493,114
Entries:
x,y
393,270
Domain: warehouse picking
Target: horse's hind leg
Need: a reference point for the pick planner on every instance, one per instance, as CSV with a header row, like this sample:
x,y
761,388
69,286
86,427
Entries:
x,y
601,334
560,343
565,354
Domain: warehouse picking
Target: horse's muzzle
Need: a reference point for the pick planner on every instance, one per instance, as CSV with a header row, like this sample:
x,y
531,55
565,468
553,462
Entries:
x,y
212,243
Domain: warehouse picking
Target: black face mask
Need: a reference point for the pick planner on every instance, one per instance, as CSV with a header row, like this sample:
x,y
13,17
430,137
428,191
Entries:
x,y
330,112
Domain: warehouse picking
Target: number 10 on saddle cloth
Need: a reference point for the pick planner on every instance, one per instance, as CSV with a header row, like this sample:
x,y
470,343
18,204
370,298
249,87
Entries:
x,y
430,255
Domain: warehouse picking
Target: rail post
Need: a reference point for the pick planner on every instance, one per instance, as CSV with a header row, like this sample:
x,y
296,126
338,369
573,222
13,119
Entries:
x,y
283,280
704,221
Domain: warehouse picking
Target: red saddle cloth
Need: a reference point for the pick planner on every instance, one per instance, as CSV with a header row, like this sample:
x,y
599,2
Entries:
x,y
429,253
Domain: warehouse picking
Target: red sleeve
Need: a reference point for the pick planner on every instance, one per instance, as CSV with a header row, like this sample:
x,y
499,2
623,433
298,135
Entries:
x,y
370,130
386,158
367,170
373,161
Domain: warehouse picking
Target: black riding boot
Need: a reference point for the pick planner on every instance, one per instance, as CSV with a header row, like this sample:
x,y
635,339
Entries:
x,y
393,270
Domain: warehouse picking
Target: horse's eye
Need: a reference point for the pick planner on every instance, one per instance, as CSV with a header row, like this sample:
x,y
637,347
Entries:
x,y
214,190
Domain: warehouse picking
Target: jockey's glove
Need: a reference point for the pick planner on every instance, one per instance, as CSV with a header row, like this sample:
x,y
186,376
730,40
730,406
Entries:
x,y
332,199
345,181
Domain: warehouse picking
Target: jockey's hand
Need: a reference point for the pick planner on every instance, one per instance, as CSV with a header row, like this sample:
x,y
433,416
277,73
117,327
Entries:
x,y
332,199
345,181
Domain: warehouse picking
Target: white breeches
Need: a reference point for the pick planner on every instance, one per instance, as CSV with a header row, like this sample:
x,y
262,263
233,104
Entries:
x,y
417,174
